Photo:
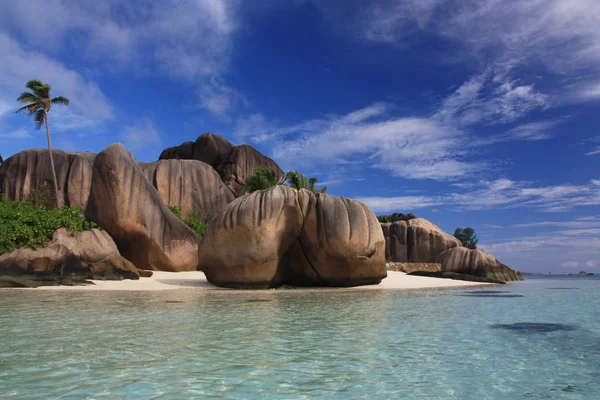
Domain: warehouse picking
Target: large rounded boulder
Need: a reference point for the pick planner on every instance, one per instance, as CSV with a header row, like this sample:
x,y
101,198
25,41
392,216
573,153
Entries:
x,y
30,169
282,236
341,243
238,164
124,203
233,163
248,243
66,259
477,263
416,240
191,185
208,148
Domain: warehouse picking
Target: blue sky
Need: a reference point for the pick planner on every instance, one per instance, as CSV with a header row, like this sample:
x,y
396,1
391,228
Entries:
x,y
469,113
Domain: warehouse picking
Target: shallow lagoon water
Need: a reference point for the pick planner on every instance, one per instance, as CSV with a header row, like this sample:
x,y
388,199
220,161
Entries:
x,y
451,344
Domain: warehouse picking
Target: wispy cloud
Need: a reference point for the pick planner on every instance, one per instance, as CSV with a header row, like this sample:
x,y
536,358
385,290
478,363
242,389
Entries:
x,y
16,134
498,194
142,135
18,65
189,39
414,147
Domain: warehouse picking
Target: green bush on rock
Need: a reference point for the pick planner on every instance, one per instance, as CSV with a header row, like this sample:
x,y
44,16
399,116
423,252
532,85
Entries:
x,y
24,225
194,221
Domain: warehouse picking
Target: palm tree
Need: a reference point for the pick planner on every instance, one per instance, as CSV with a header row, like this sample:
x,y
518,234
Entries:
x,y
296,180
263,178
38,103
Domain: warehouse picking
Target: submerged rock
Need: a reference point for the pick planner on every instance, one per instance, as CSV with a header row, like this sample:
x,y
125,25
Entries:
x,y
281,236
67,259
416,241
125,204
477,263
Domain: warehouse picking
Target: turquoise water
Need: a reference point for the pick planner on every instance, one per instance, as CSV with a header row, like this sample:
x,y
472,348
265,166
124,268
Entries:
x,y
540,339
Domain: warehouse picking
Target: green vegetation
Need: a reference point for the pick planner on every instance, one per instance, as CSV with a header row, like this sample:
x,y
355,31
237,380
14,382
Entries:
x,y
25,225
196,222
297,181
467,237
396,217
263,178
38,103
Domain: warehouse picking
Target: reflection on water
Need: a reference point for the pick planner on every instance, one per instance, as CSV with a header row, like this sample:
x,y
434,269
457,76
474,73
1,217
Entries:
x,y
293,343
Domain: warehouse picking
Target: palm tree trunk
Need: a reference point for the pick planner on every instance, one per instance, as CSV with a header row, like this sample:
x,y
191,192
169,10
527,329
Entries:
x,y
54,180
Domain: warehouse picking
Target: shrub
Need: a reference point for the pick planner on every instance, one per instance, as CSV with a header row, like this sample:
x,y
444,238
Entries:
x,y
41,198
196,222
24,225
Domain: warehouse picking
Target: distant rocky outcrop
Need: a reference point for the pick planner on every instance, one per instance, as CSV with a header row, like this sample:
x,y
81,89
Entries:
x,y
191,185
68,259
477,263
124,203
207,148
283,236
30,169
416,240
233,163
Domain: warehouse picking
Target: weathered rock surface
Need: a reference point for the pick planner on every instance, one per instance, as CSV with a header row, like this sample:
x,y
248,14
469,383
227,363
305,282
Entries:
x,y
233,163
67,259
192,185
476,262
30,169
124,203
413,267
416,240
282,236
208,148
239,163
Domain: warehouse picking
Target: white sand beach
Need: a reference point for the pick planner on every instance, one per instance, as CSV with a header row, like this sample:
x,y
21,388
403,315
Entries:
x,y
196,280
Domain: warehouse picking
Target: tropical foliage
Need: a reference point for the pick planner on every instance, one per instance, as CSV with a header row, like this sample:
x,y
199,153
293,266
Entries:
x,y
298,181
396,217
263,178
467,237
25,225
196,222
38,103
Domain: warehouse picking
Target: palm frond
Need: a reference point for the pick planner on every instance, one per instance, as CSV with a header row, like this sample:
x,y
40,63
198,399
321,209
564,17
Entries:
x,y
39,89
27,97
33,83
26,107
60,100
39,118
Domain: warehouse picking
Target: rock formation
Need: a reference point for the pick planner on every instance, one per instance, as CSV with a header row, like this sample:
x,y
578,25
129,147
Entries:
x,y
233,163
416,240
193,186
30,169
124,203
239,163
282,236
67,259
476,262
208,148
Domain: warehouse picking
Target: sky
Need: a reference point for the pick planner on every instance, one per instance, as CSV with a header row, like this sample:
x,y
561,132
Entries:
x,y
480,113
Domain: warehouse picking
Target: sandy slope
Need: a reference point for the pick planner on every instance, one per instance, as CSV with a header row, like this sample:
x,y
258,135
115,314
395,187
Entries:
x,y
196,280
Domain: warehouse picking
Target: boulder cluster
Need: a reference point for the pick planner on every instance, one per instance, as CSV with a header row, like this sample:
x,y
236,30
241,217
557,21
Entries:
x,y
279,236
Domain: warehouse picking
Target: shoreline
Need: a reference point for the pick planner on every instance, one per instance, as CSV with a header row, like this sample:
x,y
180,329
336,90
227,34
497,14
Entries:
x,y
196,280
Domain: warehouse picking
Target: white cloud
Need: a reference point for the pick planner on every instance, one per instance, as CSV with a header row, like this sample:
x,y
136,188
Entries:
x,y
503,194
591,263
18,66
142,135
188,40
16,134
570,264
